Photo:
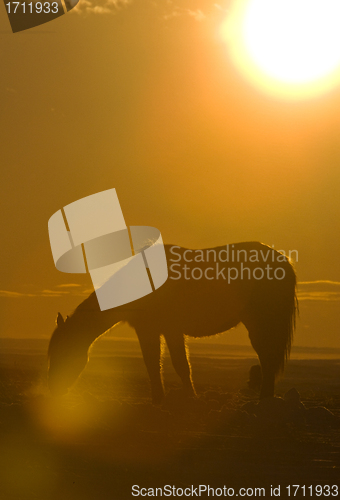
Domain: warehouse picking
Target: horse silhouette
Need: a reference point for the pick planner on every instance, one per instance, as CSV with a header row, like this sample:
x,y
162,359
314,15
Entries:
x,y
197,300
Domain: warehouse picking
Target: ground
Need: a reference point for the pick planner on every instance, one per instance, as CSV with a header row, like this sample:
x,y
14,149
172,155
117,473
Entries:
x,y
105,436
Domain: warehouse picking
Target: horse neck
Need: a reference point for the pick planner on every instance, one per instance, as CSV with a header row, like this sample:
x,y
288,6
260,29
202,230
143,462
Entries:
x,y
91,322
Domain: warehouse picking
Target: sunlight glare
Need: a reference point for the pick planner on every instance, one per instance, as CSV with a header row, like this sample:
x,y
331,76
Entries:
x,y
289,47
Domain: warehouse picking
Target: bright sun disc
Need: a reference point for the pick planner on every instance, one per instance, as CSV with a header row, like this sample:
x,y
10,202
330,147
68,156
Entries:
x,y
287,47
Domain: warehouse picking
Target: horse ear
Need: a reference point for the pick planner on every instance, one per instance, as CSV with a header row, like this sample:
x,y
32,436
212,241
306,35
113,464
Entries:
x,y
59,320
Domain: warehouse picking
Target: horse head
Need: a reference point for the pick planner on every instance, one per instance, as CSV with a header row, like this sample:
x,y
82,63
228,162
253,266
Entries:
x,y
67,356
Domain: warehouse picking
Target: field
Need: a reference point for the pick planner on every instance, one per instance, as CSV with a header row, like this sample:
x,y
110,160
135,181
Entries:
x,y
105,436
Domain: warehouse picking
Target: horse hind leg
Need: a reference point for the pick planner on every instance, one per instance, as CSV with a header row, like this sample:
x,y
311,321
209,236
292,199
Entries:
x,y
270,357
180,362
268,373
270,320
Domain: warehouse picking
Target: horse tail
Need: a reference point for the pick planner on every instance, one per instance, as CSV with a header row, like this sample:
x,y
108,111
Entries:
x,y
271,317
287,315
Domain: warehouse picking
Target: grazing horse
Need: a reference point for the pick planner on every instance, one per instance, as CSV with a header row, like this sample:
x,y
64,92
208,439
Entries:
x,y
207,292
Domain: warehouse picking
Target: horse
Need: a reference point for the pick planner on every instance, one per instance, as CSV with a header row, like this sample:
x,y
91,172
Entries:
x,y
200,298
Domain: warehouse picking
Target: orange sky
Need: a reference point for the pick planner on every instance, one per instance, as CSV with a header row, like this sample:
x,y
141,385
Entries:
x,y
145,98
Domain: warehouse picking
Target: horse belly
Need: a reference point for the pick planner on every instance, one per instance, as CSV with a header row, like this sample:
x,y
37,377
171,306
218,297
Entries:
x,y
204,322
207,330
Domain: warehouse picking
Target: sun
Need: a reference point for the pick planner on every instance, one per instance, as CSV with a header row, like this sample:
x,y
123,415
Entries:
x,y
290,48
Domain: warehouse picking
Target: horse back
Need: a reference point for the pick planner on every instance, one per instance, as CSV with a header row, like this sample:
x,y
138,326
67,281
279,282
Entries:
x,y
202,295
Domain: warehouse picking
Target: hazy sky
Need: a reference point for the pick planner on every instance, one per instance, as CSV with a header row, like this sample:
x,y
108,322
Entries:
x,y
142,96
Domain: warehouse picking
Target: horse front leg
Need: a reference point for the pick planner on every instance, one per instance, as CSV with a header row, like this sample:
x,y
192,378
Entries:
x,y
179,359
151,349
